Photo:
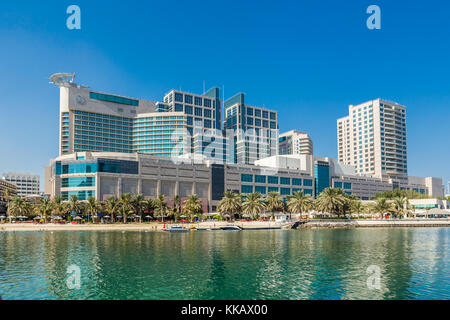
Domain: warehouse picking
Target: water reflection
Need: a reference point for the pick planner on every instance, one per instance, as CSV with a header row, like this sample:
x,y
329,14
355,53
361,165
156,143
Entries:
x,y
306,264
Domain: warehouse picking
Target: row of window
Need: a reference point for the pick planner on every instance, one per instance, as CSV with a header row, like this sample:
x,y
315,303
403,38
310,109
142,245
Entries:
x,y
115,99
276,180
246,189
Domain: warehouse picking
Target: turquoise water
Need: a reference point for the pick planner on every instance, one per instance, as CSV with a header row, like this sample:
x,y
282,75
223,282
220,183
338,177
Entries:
x,y
278,264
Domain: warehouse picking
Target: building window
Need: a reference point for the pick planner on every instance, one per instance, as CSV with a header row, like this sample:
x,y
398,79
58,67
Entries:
x,y
273,180
246,189
296,181
260,189
207,113
178,107
285,191
188,99
265,114
249,111
207,103
207,123
250,121
307,182
285,181
246,178
178,97
338,184
273,189
188,109
198,101
198,112
257,113
260,179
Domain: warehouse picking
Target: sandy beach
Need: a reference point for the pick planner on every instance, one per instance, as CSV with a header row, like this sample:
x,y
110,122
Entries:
x,y
24,227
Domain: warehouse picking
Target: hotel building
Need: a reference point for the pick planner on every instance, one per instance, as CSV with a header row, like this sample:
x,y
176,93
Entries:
x,y
106,174
9,187
27,184
295,142
112,145
252,131
101,122
373,139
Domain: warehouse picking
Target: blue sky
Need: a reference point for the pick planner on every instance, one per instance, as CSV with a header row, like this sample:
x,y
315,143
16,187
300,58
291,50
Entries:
x,y
307,59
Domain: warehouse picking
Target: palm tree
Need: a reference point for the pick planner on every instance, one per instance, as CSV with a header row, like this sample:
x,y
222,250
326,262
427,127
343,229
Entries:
x,y
93,206
400,206
177,204
138,205
44,208
126,206
148,206
356,207
75,205
299,202
231,204
331,201
274,203
18,206
111,206
253,204
59,207
160,206
7,198
381,206
192,206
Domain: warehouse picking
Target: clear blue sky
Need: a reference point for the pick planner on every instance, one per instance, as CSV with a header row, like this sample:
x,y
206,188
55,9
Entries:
x,y
307,59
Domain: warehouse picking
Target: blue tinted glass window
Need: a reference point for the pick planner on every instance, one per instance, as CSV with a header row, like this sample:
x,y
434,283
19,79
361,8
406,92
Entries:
x,y
260,179
296,181
260,189
188,99
265,114
178,107
307,182
246,178
338,184
188,109
246,189
198,101
347,185
285,191
198,112
273,180
178,97
284,180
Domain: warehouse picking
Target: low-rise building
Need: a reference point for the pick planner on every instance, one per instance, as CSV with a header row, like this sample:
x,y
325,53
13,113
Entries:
x,y
6,187
27,184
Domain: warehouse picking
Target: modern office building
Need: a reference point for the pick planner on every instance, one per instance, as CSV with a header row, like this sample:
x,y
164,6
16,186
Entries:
x,y
101,122
295,142
27,184
6,187
373,139
106,174
252,131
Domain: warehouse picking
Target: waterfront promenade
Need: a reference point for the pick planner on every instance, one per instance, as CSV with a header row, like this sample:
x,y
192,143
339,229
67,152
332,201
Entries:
x,y
146,227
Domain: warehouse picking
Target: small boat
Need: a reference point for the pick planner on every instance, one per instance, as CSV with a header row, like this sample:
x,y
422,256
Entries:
x,y
231,228
177,229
